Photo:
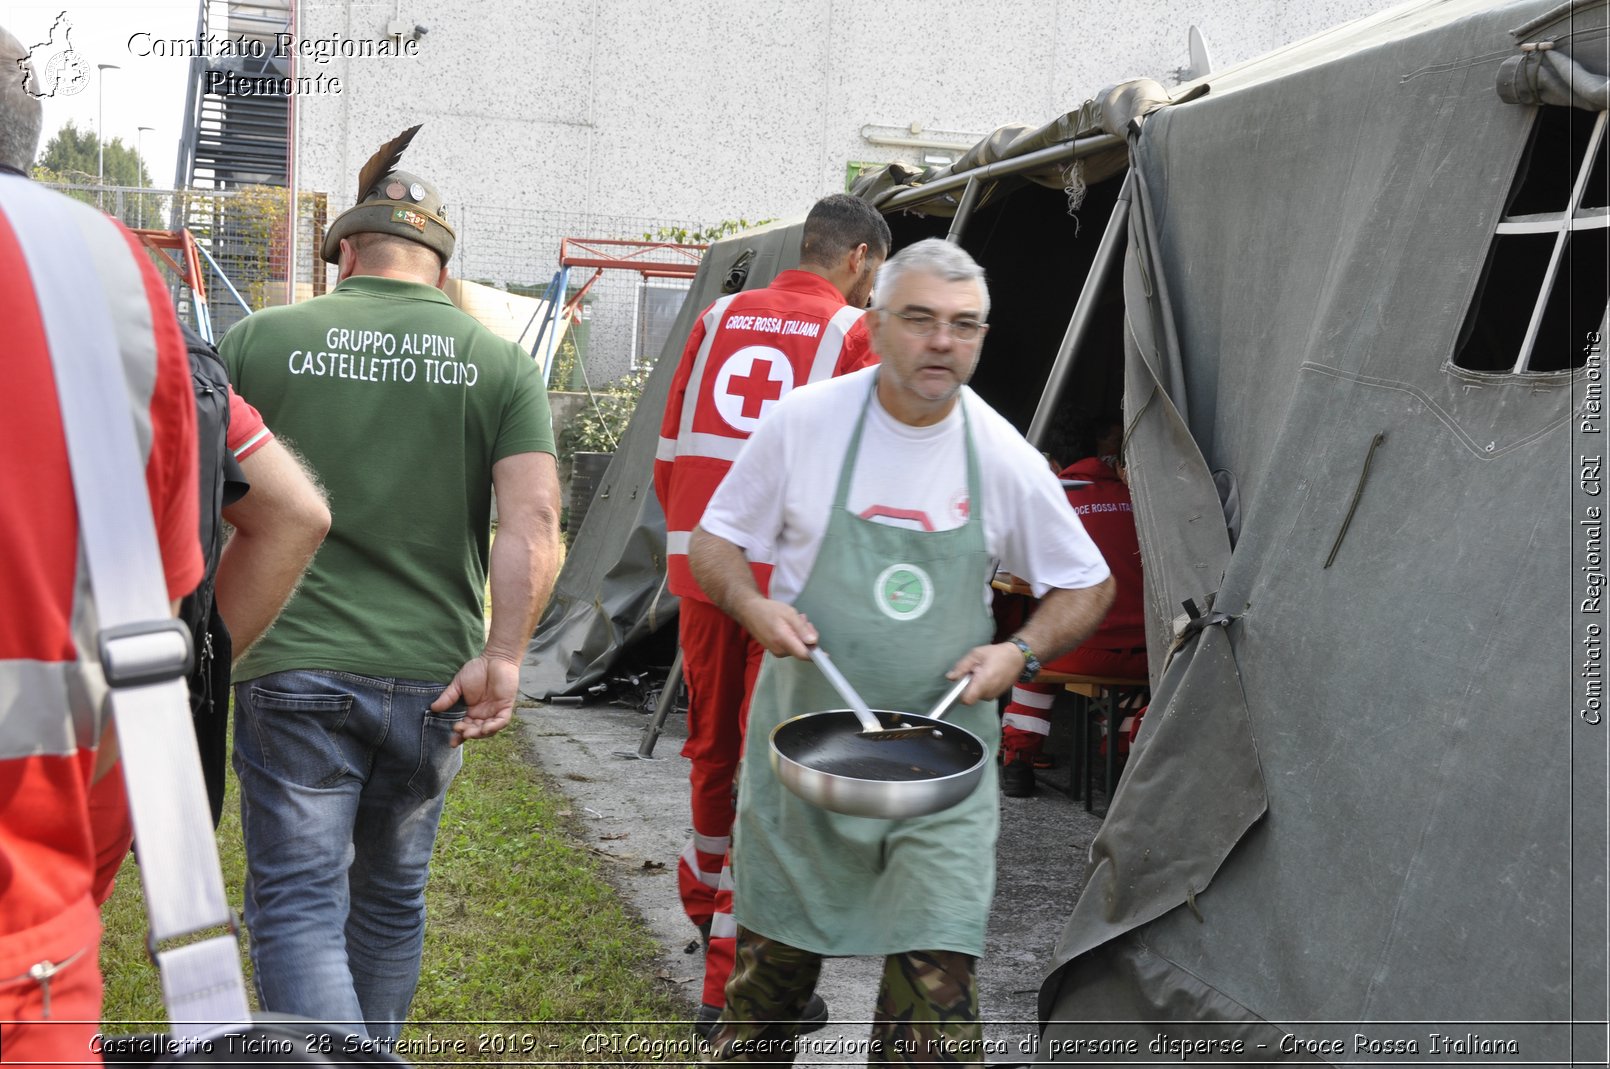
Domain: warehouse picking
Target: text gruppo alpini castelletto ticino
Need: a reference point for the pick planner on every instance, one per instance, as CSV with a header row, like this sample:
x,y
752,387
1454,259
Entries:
x,y
380,356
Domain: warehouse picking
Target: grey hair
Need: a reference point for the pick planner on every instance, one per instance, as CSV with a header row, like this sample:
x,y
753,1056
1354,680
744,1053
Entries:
x,y
21,114
933,256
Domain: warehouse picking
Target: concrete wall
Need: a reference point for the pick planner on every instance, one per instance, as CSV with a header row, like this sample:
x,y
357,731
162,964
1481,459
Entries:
x,y
618,112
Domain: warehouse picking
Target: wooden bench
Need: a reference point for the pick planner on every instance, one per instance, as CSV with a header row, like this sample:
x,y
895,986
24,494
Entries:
x,y
1089,690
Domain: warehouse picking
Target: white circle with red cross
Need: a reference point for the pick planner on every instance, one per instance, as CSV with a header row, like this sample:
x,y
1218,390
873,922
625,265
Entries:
x,y
750,381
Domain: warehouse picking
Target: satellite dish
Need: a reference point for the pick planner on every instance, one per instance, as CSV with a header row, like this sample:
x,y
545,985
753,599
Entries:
x,y
1201,62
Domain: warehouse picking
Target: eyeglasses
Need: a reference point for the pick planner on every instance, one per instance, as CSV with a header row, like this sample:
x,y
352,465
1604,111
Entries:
x,y
923,325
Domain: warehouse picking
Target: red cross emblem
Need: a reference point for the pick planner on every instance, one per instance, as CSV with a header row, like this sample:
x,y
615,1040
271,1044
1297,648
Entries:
x,y
756,388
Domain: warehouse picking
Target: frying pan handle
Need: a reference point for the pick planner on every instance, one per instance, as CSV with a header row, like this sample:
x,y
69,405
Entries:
x,y
950,697
857,704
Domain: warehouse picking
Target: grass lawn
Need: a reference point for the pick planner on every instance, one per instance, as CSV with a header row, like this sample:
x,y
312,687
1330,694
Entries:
x,y
528,950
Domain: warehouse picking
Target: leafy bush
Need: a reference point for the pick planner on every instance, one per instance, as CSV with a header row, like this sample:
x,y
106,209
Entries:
x,y
599,427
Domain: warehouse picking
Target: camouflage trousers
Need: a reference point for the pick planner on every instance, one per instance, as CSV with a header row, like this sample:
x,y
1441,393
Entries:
x,y
927,1011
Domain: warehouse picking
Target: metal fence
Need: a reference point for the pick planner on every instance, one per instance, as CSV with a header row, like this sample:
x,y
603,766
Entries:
x,y
242,235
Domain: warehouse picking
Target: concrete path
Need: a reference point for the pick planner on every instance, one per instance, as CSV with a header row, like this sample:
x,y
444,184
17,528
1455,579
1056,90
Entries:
x,y
635,813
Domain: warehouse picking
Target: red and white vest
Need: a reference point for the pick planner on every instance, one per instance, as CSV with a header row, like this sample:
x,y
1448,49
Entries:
x,y
744,355
52,691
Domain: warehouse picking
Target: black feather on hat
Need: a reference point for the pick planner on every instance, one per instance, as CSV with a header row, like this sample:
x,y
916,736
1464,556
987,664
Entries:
x,y
393,202
386,157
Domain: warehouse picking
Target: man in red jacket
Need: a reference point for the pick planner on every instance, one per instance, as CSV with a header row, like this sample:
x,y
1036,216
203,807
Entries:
x,y
746,352
56,742
1118,648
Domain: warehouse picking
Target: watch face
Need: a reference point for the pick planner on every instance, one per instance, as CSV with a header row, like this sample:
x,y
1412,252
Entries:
x,y
904,592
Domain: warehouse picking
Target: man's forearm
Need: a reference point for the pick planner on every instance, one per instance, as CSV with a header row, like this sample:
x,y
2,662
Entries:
x,y
1065,618
279,525
525,552
524,564
723,572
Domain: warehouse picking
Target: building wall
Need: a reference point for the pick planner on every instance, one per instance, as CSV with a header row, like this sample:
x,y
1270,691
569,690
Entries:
x,y
611,116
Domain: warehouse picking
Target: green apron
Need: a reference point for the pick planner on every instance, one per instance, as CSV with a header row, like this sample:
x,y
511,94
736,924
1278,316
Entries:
x,y
896,608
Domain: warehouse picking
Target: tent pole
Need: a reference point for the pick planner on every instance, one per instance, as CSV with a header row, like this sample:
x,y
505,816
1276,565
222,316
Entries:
x,y
1068,150
1107,255
964,210
651,731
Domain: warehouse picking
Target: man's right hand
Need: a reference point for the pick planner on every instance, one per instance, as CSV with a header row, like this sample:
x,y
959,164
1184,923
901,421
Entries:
x,y
779,627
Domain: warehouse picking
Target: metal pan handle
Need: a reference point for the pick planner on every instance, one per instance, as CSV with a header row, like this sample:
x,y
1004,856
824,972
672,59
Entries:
x,y
943,707
857,704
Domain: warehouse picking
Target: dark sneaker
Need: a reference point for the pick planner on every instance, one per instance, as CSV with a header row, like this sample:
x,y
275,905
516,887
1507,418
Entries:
x,y
1017,779
811,1018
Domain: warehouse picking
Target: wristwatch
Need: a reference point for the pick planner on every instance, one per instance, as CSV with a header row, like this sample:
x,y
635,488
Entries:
x,y
1031,663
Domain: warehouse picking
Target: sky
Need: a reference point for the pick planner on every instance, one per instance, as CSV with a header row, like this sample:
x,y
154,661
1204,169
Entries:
x,y
146,90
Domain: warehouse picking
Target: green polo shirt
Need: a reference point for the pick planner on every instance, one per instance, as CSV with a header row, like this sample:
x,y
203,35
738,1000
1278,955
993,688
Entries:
x,y
401,404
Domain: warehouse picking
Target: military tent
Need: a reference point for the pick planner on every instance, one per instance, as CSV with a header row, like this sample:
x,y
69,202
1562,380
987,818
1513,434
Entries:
x,y
1352,297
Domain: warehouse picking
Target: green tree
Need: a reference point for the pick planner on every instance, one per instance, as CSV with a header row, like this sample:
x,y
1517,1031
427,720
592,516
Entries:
x,y
72,156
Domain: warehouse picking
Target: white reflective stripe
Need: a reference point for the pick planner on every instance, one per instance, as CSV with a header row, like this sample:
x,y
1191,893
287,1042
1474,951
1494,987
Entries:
x,y
1026,723
665,450
723,926
712,844
690,399
725,883
1032,699
676,542
713,446
248,443
832,343
29,690
690,858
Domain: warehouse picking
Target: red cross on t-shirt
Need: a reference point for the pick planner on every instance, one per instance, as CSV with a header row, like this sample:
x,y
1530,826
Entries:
x,y
756,388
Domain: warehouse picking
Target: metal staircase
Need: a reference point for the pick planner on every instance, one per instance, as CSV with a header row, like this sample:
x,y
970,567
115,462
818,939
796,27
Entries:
x,y
233,140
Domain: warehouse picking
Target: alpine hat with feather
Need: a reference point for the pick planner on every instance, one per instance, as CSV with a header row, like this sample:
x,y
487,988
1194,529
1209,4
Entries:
x,y
393,202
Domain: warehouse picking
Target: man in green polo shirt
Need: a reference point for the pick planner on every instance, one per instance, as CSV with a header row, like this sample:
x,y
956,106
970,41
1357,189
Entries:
x,y
350,710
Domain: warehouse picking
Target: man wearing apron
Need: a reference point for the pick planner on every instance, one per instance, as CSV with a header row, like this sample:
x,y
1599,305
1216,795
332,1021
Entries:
x,y
885,499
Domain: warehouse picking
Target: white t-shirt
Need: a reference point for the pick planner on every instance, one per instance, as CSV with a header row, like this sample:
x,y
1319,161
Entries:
x,y
775,501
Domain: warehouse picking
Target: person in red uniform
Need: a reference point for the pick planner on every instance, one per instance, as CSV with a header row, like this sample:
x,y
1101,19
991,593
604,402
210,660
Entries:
x,y
1118,648
53,742
746,352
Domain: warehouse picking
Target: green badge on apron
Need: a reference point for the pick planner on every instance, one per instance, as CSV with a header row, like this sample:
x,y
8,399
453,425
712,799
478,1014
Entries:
x,y
904,591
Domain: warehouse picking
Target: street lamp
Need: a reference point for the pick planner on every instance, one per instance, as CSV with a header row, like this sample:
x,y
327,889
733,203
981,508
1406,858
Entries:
x,y
139,157
100,124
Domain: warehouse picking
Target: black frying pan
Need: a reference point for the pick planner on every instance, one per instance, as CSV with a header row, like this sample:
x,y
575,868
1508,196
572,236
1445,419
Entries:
x,y
831,761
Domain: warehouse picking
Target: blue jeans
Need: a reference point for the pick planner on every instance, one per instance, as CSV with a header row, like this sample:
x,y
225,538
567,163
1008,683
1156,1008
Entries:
x,y
342,779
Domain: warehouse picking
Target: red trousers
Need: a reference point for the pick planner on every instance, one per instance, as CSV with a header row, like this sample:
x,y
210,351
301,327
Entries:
x,y
1026,720
54,1021
719,665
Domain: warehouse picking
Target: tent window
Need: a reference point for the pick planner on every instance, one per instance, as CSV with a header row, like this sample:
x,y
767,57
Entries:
x,y
658,302
1543,287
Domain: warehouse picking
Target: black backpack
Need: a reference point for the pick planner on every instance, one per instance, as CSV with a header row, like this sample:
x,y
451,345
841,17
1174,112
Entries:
x,y
222,483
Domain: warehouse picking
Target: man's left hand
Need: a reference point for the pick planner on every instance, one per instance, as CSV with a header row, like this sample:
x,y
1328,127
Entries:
x,y
995,668
487,685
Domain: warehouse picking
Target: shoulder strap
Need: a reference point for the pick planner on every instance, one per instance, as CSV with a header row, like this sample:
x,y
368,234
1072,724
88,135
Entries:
x,y
144,653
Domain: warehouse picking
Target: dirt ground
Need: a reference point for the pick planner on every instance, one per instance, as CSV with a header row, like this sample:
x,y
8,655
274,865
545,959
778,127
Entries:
x,y
636,812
